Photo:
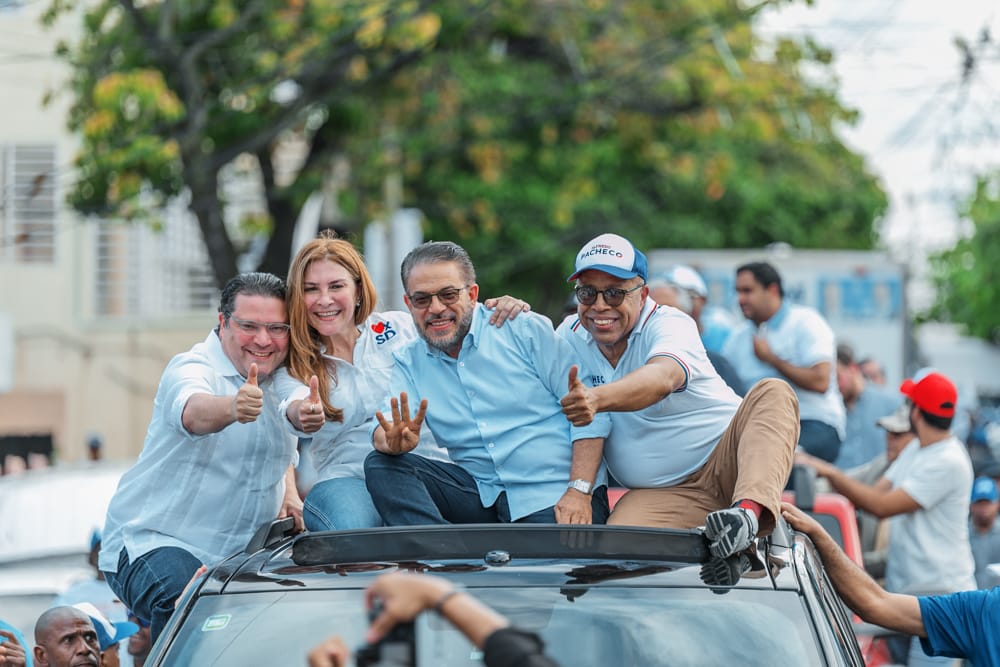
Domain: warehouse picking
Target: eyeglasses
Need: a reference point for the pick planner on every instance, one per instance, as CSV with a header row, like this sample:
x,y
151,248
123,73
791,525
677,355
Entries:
x,y
446,296
613,296
276,330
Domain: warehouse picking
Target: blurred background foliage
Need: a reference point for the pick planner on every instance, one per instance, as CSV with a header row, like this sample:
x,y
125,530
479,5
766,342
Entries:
x,y
521,128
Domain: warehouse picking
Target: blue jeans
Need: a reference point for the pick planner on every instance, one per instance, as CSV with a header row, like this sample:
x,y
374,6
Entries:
x,y
150,585
341,503
409,490
819,439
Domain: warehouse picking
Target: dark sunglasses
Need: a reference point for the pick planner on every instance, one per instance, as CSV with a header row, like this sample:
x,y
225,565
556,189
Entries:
x,y
447,296
613,296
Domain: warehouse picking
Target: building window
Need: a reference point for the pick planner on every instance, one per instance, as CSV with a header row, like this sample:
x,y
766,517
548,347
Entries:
x,y
28,192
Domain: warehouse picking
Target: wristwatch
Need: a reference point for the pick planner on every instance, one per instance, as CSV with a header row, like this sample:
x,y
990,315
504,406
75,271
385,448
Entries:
x,y
581,485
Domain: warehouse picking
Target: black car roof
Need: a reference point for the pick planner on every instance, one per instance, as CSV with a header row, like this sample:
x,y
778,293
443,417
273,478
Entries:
x,y
489,555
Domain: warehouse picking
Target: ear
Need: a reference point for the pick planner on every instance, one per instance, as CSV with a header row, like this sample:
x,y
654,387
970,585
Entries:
x,y
474,292
222,321
406,300
40,658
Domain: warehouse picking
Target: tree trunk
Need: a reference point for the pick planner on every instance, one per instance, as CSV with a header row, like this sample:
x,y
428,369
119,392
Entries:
x,y
207,208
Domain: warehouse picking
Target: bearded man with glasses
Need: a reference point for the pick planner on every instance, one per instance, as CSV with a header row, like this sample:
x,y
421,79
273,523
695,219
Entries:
x,y
490,396
689,449
217,461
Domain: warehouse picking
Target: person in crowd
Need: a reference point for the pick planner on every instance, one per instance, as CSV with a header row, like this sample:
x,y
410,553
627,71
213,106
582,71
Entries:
x,y
404,595
664,291
873,371
491,397
956,625
873,531
925,492
865,404
792,342
13,649
94,590
139,644
339,362
109,635
65,637
984,530
690,451
217,461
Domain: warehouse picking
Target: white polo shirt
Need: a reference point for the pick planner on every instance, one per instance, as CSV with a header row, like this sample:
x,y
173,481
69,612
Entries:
x,y
800,336
663,444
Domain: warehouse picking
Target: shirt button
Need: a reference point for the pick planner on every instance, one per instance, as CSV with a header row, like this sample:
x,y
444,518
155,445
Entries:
x,y
462,364
491,445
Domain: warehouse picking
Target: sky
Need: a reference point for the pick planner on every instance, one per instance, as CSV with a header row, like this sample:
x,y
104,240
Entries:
x,y
925,130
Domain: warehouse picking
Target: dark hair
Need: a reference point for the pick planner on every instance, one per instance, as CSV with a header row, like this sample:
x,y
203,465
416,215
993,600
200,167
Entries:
x,y
250,284
937,421
845,355
433,252
763,273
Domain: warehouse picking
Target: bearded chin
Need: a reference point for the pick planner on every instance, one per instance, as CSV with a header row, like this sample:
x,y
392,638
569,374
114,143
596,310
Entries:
x,y
448,344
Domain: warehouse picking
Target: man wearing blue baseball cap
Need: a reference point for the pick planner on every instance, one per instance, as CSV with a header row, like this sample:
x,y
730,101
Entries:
x,y
984,530
690,451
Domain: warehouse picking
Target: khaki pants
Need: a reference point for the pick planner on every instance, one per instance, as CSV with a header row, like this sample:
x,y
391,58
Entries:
x,y
752,461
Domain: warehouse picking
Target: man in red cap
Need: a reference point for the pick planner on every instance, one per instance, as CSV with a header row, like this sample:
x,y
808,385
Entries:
x,y
925,495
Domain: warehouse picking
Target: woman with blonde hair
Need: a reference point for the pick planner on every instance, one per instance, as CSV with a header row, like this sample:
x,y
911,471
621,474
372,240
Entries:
x,y
339,365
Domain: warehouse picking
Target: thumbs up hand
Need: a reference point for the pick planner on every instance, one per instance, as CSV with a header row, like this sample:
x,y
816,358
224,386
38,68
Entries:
x,y
578,404
311,413
249,401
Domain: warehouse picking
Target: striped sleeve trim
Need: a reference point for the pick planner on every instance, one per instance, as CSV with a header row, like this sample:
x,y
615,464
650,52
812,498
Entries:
x,y
684,367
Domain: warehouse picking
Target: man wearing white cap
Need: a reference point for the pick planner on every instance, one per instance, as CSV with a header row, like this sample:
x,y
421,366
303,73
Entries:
x,y
690,451
926,494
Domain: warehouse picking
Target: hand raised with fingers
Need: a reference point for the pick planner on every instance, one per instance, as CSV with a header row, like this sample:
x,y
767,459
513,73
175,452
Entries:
x,y
578,405
12,654
403,433
249,401
311,415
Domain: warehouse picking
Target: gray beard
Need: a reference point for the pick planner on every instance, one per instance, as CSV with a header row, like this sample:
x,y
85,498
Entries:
x,y
446,345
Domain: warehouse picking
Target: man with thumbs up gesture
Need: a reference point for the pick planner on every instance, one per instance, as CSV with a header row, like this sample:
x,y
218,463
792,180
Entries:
x,y
217,462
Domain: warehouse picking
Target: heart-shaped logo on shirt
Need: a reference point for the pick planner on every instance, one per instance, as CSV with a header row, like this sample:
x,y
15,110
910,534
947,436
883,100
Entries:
x,y
378,327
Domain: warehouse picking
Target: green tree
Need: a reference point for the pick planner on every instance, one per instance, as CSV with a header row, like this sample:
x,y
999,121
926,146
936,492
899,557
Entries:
x,y
521,128
967,277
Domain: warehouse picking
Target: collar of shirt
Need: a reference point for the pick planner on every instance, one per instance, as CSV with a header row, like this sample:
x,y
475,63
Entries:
x,y
779,315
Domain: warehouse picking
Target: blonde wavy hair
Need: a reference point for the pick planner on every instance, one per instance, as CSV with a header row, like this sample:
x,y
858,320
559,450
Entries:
x,y
304,359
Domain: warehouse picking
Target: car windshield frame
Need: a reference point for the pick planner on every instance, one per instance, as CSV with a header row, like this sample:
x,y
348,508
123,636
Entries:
x,y
622,625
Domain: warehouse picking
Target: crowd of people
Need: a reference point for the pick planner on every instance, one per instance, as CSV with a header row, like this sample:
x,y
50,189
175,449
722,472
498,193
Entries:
x,y
408,425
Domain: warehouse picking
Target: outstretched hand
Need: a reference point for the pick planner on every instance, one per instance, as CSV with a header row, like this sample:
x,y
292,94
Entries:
x,y
311,415
403,433
579,404
249,400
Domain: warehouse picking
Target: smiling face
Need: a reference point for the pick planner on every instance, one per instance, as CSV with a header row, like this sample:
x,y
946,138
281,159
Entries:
x,y
260,348
330,294
442,325
610,326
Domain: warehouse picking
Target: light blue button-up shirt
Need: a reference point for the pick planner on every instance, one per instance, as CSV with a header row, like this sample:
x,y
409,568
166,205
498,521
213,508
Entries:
x,y
206,494
496,408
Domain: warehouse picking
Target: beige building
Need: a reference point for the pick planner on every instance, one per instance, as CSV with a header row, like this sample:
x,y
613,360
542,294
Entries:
x,y
90,310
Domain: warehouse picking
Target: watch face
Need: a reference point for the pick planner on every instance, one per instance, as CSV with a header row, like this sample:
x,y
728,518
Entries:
x,y
581,485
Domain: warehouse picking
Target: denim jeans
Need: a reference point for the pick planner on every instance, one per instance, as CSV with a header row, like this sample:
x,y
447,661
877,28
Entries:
x,y
341,503
819,439
150,585
410,490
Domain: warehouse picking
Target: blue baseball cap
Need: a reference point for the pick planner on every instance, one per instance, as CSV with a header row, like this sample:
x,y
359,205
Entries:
x,y
108,633
984,488
612,254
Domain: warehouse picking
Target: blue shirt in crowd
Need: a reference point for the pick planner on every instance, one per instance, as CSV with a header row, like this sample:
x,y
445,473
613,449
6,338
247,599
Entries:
x,y
963,625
